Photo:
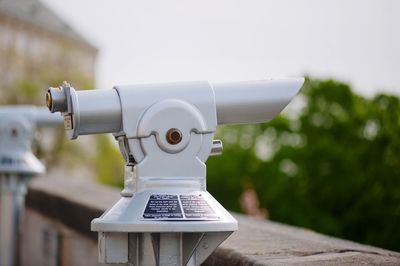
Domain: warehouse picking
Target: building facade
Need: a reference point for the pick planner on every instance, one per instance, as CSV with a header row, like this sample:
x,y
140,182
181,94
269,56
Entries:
x,y
37,48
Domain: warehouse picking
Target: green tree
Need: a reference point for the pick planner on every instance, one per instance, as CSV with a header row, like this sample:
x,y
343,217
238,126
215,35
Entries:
x,y
107,162
332,165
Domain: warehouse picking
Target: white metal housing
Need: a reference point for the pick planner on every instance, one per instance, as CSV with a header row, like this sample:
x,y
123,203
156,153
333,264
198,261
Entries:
x,y
165,133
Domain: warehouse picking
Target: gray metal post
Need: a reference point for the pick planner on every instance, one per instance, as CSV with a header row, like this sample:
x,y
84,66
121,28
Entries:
x,y
12,195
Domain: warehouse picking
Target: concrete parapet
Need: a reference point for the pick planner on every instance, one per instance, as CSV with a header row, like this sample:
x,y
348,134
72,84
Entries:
x,y
57,232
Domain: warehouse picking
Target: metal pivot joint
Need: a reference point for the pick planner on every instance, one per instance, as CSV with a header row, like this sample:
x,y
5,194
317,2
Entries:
x,y
165,133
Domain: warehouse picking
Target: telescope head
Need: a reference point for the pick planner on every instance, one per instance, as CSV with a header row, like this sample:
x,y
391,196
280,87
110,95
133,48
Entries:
x,y
18,125
171,119
100,111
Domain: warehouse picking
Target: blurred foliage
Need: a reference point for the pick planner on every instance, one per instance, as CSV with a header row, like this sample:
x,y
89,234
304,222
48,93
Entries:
x,y
109,163
105,159
332,164
30,90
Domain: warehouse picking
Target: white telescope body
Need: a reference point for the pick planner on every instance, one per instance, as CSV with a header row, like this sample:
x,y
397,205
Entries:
x,y
165,133
18,165
100,111
253,101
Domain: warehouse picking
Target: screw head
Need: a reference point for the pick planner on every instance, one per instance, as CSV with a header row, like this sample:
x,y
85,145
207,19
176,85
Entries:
x,y
14,132
174,136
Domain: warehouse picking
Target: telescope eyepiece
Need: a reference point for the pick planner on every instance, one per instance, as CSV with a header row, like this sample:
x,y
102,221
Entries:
x,y
49,100
56,99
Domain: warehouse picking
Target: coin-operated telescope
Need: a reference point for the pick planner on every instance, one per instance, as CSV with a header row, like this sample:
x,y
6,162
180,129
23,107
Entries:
x,y
165,133
18,165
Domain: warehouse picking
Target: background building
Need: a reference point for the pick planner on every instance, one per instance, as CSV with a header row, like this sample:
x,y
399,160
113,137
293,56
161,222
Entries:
x,y
38,49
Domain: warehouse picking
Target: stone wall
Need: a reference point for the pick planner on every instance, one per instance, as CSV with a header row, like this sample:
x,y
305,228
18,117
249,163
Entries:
x,y
57,232
28,50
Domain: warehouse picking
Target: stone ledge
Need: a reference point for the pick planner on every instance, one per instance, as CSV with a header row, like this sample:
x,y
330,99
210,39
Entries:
x,y
74,203
269,243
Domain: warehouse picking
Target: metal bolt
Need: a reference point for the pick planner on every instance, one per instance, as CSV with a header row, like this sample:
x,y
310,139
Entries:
x,y
174,136
14,132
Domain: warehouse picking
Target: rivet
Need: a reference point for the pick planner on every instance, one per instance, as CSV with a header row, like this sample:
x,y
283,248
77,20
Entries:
x,y
174,136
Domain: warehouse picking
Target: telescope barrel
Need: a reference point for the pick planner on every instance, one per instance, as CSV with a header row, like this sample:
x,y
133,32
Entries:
x,y
253,101
100,111
88,111
97,111
39,116
45,119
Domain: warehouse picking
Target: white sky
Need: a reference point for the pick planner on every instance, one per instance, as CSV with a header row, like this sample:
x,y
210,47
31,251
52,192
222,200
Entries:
x,y
224,40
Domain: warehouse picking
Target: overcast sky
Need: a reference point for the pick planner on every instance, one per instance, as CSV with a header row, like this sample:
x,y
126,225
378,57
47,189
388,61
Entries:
x,y
224,40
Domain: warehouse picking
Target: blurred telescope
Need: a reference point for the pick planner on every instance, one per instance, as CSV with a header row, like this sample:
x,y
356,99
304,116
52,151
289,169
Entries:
x,y
18,165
